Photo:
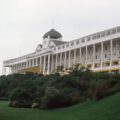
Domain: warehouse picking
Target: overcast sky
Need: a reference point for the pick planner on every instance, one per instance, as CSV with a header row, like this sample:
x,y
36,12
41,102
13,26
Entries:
x,y
24,22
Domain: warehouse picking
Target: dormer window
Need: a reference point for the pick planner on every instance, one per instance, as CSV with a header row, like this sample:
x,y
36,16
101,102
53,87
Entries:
x,y
98,35
94,36
67,45
103,34
88,38
58,47
83,40
113,31
72,43
39,47
118,29
44,42
77,42
63,46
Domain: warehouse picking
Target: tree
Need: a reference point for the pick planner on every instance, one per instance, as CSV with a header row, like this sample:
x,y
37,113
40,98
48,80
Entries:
x,y
60,68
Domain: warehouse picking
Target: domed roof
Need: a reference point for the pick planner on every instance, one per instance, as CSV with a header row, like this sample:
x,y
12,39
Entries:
x,y
53,34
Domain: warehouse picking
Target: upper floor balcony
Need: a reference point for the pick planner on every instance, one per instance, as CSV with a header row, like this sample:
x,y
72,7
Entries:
x,y
89,40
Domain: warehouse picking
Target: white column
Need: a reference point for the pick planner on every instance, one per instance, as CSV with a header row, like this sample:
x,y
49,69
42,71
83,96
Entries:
x,y
48,67
56,60
11,69
52,63
111,46
60,59
101,55
20,66
36,61
93,56
80,57
15,69
86,56
40,64
69,64
27,65
74,56
44,64
65,61
32,62
4,71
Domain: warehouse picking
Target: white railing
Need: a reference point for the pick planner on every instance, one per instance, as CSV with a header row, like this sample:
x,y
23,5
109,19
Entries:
x,y
90,39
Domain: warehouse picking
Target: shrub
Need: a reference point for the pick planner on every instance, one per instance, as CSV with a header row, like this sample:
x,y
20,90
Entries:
x,y
53,98
22,96
53,91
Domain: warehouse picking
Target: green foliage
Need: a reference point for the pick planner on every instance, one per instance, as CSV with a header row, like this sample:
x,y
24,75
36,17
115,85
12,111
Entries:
x,y
54,98
3,98
60,68
53,91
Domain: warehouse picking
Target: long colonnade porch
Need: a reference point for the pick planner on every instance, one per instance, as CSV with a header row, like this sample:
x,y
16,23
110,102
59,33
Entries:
x,y
98,52
91,57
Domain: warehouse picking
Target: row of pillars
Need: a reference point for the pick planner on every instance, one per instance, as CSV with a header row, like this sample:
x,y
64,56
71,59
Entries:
x,y
48,63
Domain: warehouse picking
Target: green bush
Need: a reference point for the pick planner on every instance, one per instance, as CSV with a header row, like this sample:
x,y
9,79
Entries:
x,y
53,98
53,91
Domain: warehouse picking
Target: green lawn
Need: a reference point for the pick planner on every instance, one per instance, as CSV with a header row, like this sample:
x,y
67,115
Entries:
x,y
106,109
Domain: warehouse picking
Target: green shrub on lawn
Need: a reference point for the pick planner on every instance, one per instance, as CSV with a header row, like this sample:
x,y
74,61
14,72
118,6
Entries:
x,y
54,91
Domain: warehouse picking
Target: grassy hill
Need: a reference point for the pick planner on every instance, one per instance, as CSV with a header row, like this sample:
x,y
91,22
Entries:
x,y
105,109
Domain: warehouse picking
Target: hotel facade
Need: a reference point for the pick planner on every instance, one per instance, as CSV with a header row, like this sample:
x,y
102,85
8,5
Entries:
x,y
98,52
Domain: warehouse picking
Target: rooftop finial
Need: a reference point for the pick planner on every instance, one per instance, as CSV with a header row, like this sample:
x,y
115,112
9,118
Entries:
x,y
52,23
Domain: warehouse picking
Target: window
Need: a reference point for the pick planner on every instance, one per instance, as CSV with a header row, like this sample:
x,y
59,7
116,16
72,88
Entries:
x,y
96,57
114,45
113,31
96,50
105,56
118,29
63,46
93,37
34,61
83,40
105,47
89,51
108,32
72,43
88,38
44,42
98,35
67,45
58,47
103,34
77,42
82,53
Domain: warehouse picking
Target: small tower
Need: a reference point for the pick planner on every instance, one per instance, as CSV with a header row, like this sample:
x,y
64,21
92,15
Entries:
x,y
51,35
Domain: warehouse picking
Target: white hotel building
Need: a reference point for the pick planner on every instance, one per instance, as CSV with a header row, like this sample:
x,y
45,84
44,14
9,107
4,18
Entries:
x,y
99,52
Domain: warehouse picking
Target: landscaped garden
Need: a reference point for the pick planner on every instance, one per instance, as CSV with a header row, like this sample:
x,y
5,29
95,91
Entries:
x,y
80,95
